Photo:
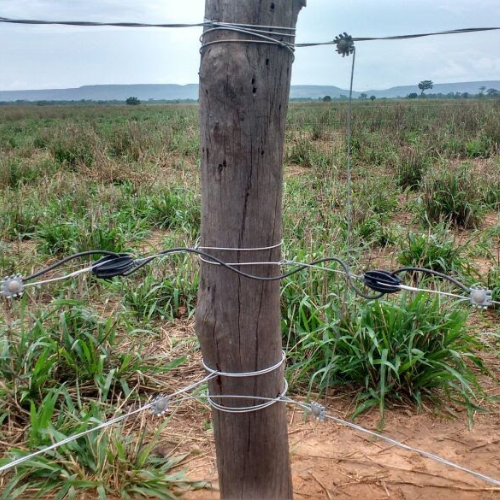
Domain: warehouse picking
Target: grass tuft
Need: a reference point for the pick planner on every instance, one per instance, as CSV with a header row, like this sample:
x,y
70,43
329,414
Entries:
x,y
453,195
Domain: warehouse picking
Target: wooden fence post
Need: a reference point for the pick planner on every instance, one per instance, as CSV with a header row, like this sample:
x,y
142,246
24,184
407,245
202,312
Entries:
x,y
244,91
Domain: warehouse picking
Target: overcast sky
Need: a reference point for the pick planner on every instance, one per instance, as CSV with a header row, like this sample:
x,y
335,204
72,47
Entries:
x,y
41,57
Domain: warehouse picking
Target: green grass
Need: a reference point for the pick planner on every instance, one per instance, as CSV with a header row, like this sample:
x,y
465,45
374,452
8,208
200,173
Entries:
x,y
115,461
453,195
60,370
412,349
169,298
70,344
126,178
435,250
412,164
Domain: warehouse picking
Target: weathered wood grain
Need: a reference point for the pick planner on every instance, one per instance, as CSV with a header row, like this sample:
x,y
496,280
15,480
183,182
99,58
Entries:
x,y
244,91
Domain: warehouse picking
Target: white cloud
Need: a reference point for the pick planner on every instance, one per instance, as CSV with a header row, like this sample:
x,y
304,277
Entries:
x,y
41,57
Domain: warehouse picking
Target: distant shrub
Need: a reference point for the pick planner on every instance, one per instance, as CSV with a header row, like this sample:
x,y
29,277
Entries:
x,y
375,231
40,142
169,210
13,172
132,101
478,148
127,141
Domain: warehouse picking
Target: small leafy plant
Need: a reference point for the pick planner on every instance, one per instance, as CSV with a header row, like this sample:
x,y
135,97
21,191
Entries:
x,y
168,298
114,462
411,166
453,196
436,250
406,350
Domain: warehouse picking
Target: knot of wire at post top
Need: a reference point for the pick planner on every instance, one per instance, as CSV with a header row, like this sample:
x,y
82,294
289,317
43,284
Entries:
x,y
266,35
262,34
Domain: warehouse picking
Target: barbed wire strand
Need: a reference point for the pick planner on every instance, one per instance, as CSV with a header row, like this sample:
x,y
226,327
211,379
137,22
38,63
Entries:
x,y
279,277
414,269
232,264
74,274
428,290
91,24
266,402
280,263
313,266
211,375
61,262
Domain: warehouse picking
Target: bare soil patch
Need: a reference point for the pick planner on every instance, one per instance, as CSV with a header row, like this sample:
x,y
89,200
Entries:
x,y
331,461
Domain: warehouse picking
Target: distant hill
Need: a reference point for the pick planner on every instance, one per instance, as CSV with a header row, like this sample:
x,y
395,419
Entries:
x,y
105,93
317,92
171,92
439,88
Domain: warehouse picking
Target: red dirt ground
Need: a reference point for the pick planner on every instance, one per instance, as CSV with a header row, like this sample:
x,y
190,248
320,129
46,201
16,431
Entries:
x,y
330,461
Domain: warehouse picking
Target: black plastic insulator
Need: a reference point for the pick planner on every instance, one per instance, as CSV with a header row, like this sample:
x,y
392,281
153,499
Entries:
x,y
111,266
382,281
345,44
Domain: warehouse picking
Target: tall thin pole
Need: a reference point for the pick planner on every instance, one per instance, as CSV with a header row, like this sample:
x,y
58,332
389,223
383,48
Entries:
x,y
244,91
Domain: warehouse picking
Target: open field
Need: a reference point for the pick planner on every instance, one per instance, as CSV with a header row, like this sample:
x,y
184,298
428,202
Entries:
x,y
425,192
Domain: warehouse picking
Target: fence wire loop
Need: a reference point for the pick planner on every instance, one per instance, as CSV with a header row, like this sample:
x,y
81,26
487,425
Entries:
x,y
256,373
246,409
261,35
